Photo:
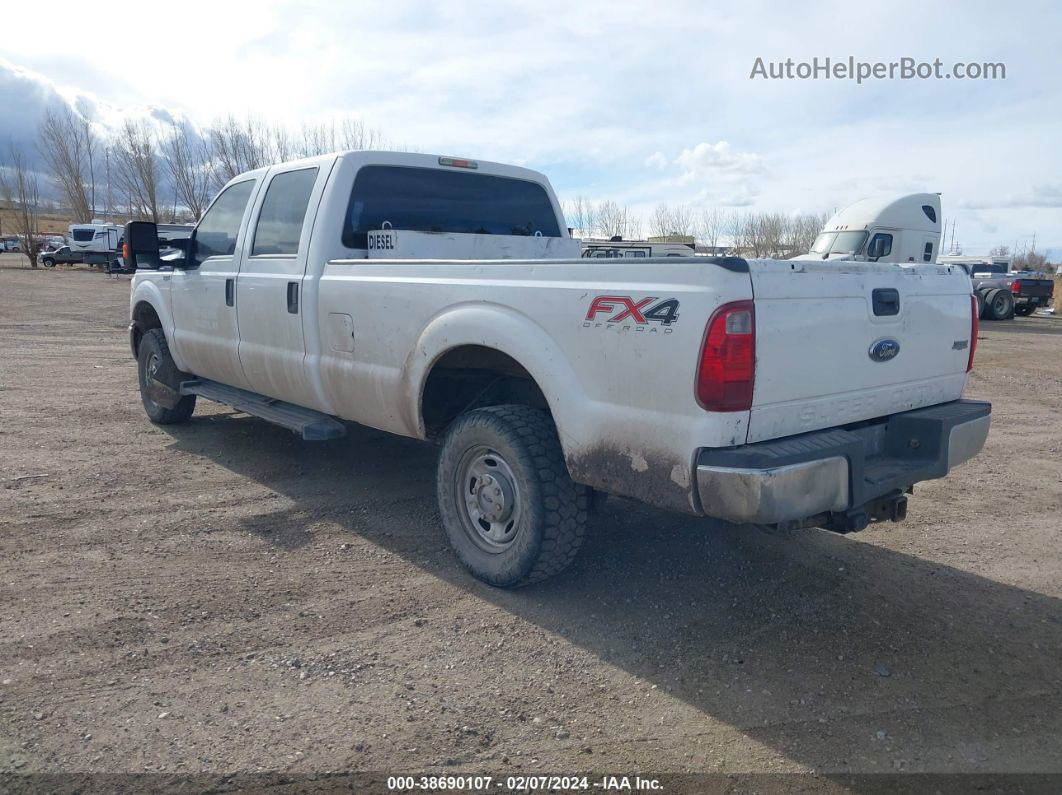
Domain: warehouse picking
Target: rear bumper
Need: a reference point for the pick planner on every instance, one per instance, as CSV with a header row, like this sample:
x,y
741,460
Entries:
x,y
829,472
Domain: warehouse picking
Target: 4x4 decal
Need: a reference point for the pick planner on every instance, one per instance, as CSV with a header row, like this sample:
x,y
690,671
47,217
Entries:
x,y
625,309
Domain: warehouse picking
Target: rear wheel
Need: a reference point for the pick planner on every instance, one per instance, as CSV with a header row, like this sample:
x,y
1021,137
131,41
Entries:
x,y
511,511
152,354
1000,305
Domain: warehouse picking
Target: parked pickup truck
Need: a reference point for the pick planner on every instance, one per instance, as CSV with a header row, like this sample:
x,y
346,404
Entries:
x,y
1004,295
62,256
442,299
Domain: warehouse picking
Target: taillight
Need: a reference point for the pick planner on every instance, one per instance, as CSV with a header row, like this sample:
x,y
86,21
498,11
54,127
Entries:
x,y
727,368
1015,287
125,251
975,327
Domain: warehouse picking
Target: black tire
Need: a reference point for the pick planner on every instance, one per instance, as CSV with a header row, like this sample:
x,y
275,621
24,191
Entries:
x,y
153,348
547,511
999,305
48,262
1025,310
980,296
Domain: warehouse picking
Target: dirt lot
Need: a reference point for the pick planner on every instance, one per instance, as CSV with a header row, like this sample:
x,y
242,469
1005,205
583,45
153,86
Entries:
x,y
222,597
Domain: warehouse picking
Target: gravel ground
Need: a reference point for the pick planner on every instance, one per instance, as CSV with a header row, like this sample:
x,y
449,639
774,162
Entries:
x,y
222,597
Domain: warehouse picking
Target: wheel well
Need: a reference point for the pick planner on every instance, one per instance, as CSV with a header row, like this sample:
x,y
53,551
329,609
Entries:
x,y
474,376
145,318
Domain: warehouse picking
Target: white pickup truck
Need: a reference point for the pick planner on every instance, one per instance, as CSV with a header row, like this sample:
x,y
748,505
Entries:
x,y
442,299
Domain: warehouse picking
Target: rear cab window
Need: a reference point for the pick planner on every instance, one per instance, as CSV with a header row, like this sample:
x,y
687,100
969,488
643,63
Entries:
x,y
437,200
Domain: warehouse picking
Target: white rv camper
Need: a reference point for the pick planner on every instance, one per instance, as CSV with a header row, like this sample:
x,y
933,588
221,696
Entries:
x,y
896,229
618,248
97,242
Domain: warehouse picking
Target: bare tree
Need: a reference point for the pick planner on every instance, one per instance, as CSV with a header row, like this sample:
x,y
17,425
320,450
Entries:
x,y
708,227
325,137
137,169
733,226
20,188
672,221
67,145
355,134
805,228
318,139
237,146
189,169
577,212
611,220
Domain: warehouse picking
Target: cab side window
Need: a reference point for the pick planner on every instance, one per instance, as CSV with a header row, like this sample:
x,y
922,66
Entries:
x,y
279,224
217,231
880,245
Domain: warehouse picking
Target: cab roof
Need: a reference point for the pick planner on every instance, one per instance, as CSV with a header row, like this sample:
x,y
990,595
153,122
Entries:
x,y
920,211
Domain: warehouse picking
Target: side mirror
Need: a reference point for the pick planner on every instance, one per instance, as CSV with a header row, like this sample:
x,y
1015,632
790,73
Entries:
x,y
141,247
877,248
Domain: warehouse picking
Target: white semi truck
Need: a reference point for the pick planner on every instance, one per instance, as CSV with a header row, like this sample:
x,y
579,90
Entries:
x,y
442,299
891,229
907,229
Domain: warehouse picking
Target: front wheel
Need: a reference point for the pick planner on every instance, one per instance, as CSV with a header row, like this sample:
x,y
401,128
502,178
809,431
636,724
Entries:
x,y
1025,310
152,355
48,262
511,511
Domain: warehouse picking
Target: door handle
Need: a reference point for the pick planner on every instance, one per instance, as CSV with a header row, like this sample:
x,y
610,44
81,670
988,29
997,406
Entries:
x,y
230,292
293,298
885,301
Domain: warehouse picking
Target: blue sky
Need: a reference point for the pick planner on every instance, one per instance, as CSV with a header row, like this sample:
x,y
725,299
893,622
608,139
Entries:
x,y
639,102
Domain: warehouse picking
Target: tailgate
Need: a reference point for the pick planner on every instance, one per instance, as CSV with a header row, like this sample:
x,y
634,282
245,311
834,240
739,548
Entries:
x,y
832,347
1036,288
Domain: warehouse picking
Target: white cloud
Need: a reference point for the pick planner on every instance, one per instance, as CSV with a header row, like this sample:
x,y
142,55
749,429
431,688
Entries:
x,y
657,160
1039,196
718,161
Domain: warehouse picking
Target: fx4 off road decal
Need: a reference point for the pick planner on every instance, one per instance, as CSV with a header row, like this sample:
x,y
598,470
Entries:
x,y
624,312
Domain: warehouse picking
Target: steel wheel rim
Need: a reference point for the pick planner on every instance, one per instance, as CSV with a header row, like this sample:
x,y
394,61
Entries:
x,y
488,499
151,366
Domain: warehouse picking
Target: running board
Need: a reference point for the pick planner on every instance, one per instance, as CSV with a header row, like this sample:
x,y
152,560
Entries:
x,y
311,425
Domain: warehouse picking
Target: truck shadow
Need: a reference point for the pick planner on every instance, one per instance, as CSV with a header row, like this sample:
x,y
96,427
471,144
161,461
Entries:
x,y
835,652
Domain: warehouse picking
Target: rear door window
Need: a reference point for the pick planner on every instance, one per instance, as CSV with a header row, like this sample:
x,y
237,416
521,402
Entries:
x,y
217,231
435,200
283,210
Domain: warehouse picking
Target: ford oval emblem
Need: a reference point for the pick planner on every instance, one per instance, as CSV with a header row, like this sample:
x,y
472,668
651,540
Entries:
x,y
884,350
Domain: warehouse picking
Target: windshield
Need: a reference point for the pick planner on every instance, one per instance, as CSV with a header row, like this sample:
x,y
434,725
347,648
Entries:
x,y
848,243
822,243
